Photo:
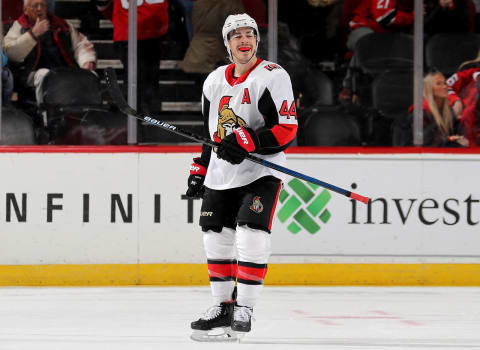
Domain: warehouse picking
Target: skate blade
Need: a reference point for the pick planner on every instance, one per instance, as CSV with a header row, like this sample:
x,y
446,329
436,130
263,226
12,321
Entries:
x,y
240,336
215,335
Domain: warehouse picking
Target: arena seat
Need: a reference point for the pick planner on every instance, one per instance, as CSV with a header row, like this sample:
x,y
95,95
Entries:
x,y
328,126
17,128
320,87
392,92
76,112
446,51
378,52
69,86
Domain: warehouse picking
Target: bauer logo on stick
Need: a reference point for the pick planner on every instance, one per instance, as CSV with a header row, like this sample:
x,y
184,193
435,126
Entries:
x,y
159,123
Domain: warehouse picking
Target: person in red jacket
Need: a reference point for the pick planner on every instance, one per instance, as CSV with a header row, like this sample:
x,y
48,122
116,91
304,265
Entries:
x,y
152,19
375,16
383,15
463,97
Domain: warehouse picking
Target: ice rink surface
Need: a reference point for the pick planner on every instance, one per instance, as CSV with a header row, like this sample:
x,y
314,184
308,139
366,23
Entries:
x,y
286,318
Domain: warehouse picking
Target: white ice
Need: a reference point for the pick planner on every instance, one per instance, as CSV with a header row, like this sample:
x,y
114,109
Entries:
x,y
286,318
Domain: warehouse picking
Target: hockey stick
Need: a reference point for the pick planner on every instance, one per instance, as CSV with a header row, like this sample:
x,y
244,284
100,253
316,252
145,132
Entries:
x,y
121,104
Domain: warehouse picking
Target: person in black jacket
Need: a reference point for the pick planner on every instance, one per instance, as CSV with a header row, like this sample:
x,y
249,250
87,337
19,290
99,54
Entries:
x,y
447,16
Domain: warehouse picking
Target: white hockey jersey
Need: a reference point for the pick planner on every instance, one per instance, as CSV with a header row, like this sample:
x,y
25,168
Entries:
x,y
261,99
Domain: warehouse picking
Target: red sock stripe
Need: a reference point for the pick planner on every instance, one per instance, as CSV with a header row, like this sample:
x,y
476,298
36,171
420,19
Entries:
x,y
222,270
249,272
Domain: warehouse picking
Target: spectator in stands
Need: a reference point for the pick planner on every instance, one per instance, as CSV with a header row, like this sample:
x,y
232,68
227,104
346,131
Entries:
x,y
186,7
206,50
12,9
463,96
447,16
440,126
316,24
374,16
153,21
7,81
39,41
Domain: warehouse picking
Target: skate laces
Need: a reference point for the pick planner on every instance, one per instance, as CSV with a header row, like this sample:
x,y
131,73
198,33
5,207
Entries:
x,y
242,313
212,312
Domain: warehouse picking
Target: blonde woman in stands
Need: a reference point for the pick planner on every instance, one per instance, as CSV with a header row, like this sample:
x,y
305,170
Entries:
x,y
440,126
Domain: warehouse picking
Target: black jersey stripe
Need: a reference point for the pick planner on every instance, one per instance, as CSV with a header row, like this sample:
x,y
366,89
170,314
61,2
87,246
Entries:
x,y
206,150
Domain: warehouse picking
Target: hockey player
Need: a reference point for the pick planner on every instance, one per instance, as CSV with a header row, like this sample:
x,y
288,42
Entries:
x,y
248,107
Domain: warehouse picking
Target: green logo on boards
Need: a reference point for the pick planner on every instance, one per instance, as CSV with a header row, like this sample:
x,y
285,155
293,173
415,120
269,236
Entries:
x,y
303,206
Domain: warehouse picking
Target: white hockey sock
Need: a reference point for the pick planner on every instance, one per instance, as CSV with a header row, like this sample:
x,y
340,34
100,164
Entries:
x,y
222,264
254,249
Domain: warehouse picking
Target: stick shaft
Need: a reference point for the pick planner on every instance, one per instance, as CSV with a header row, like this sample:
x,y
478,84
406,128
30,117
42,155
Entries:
x,y
119,101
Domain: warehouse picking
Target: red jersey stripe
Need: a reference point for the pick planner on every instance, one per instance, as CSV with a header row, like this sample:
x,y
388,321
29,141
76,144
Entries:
x,y
284,133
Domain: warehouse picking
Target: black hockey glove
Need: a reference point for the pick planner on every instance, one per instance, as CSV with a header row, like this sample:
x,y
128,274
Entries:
x,y
236,146
196,179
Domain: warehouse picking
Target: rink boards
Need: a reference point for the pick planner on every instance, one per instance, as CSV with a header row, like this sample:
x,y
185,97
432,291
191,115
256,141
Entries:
x,y
118,216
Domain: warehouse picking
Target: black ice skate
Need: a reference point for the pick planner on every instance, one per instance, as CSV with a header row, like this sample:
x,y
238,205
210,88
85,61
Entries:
x,y
242,318
215,324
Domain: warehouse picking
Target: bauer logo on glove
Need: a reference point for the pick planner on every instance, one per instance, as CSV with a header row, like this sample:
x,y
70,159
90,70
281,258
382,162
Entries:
x,y
235,147
244,138
195,169
195,181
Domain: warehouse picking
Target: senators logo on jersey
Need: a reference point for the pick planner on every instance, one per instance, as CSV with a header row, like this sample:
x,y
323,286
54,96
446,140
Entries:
x,y
256,205
227,119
